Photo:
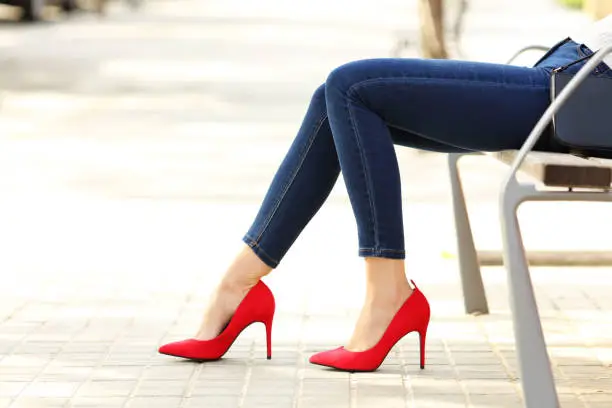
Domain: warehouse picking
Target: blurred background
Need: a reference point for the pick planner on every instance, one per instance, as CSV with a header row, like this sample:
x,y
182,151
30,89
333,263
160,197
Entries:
x,y
198,100
176,98
138,137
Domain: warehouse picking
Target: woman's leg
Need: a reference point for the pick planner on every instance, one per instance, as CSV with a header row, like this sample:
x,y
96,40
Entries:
x,y
299,188
302,183
311,167
471,106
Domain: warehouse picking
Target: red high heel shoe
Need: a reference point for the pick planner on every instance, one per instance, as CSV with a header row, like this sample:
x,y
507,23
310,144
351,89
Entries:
x,y
257,306
412,316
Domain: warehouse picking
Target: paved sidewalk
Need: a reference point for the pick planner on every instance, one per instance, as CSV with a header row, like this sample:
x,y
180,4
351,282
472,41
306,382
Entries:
x,y
94,287
123,196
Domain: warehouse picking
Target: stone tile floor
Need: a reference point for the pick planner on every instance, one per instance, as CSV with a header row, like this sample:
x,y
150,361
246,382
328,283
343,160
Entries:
x,y
81,321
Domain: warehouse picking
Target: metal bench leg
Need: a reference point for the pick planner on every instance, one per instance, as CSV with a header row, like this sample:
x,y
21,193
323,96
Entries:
x,y
533,362
474,297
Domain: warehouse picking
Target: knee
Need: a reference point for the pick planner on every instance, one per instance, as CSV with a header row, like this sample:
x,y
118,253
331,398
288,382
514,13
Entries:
x,y
345,76
318,102
319,94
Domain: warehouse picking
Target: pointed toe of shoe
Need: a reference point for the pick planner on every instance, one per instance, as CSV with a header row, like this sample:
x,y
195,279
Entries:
x,y
189,349
326,358
197,350
413,316
176,349
317,359
345,360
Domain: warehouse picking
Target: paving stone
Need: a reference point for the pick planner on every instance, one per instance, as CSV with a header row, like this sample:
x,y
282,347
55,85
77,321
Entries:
x,y
218,387
494,401
318,403
326,387
155,402
57,371
267,401
428,386
598,398
162,388
277,391
12,388
106,389
98,402
214,401
391,401
482,372
18,373
23,360
87,347
169,373
39,402
489,387
444,401
120,372
54,389
39,348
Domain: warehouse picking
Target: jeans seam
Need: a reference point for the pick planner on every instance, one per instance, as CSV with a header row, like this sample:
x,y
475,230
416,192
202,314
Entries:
x,y
364,167
601,68
292,177
397,251
355,86
354,89
254,243
429,138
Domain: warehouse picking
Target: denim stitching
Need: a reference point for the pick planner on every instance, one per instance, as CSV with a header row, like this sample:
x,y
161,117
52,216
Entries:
x,y
388,254
397,251
601,68
253,243
382,80
293,176
551,51
430,139
582,53
364,167
353,89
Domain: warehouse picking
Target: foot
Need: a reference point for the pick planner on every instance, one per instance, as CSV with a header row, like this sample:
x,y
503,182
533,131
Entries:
x,y
242,275
222,305
375,317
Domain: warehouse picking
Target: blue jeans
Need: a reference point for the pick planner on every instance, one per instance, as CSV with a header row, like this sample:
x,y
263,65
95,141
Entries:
x,y
366,107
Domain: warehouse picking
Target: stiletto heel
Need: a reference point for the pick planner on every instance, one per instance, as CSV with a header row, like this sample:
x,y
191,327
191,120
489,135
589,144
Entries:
x,y
422,337
412,316
269,339
257,306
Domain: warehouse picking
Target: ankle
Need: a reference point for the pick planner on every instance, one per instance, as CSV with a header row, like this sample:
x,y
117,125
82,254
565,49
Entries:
x,y
236,283
386,282
244,272
388,298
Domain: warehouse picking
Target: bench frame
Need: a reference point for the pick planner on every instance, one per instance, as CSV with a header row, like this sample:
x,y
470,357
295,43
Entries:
x,y
533,361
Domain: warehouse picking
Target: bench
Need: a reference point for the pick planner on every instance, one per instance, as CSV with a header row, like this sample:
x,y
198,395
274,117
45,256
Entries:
x,y
557,177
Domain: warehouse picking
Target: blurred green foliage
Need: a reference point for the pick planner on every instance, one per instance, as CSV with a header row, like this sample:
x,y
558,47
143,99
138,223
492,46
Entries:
x,y
572,3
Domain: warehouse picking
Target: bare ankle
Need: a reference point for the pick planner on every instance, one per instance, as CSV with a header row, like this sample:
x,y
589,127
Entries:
x,y
236,284
244,272
389,300
386,281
